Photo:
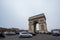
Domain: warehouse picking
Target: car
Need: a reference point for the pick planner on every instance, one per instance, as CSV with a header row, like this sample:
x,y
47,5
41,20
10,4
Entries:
x,y
56,33
25,34
2,35
49,33
32,33
10,33
17,32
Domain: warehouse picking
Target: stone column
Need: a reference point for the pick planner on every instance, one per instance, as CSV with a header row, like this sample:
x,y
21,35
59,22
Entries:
x,y
42,25
31,27
42,28
45,27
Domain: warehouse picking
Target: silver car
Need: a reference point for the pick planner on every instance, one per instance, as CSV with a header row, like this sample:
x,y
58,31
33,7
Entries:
x,y
25,34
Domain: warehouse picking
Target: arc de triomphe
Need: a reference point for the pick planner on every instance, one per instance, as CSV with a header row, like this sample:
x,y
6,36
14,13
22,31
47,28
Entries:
x,y
41,20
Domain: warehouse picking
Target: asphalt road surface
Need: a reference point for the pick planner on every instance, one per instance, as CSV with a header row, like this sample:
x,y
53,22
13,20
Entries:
x,y
37,37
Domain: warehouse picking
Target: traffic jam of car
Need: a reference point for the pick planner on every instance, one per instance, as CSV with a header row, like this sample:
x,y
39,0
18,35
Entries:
x,y
27,34
20,34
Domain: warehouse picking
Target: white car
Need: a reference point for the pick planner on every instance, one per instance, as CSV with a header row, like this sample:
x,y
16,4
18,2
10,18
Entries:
x,y
10,33
25,34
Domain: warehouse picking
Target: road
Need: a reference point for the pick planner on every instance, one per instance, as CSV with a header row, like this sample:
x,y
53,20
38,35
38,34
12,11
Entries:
x,y
37,37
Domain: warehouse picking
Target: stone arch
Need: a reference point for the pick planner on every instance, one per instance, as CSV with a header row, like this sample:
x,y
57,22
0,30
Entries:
x,y
41,20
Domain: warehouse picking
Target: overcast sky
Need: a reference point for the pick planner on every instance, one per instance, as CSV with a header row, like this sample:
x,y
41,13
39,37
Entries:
x,y
15,13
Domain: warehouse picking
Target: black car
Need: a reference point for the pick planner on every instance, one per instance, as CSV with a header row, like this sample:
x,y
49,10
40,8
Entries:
x,y
32,33
56,34
17,32
49,33
2,35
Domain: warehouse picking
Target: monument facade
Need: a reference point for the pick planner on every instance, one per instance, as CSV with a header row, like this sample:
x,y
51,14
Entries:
x,y
41,20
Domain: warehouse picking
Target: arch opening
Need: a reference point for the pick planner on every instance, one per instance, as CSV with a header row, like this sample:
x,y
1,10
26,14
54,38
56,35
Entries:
x,y
36,27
